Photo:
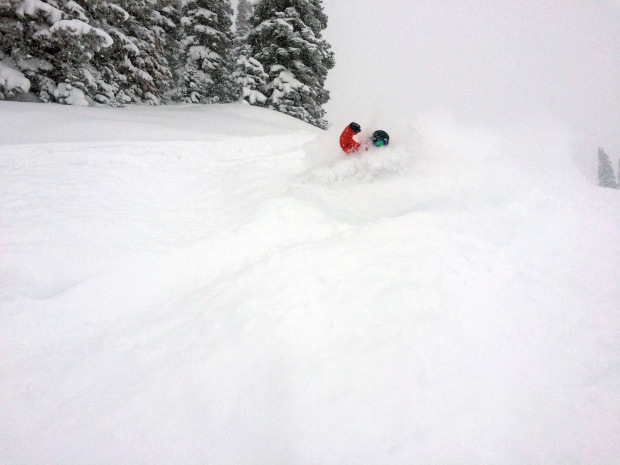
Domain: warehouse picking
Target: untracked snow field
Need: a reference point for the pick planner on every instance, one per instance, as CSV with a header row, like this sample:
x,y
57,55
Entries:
x,y
222,285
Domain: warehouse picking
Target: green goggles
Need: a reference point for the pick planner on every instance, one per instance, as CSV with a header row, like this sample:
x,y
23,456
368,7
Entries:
x,y
379,143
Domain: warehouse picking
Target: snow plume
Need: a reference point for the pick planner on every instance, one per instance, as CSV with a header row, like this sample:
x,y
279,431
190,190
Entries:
x,y
369,166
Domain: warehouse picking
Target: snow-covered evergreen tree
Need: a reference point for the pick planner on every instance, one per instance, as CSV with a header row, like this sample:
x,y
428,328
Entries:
x,y
74,49
167,19
51,44
242,21
606,177
286,40
106,51
107,76
249,73
13,82
207,45
250,76
136,62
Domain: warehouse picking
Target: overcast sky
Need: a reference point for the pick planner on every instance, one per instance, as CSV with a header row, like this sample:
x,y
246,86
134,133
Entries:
x,y
481,61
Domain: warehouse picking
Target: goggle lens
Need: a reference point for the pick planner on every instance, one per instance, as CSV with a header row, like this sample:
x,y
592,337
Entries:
x,y
379,143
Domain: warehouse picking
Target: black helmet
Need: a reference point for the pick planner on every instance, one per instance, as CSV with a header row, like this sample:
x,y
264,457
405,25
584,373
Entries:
x,y
380,138
356,128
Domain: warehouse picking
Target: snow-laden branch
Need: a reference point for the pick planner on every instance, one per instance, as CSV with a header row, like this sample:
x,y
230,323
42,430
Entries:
x,y
198,52
77,28
12,81
34,7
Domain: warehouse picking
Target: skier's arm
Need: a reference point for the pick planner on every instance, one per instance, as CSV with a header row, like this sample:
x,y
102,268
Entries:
x,y
347,143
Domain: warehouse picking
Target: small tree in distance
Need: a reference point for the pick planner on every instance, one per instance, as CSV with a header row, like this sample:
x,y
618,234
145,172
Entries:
x,y
242,22
606,177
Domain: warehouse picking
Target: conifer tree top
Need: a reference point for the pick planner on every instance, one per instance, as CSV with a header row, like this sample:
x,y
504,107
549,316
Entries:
x,y
310,12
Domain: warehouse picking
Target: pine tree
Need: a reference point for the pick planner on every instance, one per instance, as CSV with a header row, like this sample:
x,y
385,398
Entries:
x,y
13,48
207,44
168,21
249,74
107,51
286,40
74,51
109,74
606,177
242,22
134,67
51,45
137,59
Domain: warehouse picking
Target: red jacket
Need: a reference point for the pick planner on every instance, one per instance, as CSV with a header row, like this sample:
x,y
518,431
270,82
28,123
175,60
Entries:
x,y
348,144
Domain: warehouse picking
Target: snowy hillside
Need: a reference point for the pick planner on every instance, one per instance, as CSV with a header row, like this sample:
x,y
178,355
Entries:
x,y
221,285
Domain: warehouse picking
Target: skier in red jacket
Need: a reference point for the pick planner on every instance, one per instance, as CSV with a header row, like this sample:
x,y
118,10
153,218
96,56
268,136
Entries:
x,y
350,145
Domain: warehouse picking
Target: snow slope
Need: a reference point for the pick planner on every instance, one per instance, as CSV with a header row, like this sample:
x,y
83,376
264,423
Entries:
x,y
220,284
